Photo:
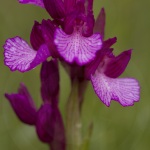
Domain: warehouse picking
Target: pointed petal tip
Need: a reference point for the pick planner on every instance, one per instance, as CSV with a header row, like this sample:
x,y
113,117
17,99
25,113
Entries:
x,y
100,23
128,52
7,96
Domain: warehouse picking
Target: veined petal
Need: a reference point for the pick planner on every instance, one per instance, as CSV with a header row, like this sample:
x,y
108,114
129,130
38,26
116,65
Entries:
x,y
77,48
19,56
34,2
124,90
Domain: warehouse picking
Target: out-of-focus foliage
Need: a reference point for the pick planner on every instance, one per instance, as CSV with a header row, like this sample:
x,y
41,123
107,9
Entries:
x,y
115,128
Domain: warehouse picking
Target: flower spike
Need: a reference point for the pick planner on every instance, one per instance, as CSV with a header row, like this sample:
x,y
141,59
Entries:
x,y
19,56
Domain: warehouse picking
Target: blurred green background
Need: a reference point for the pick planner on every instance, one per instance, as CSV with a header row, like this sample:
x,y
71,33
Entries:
x,y
115,128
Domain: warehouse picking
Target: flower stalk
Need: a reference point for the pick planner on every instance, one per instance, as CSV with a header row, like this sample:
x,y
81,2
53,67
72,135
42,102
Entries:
x,y
73,117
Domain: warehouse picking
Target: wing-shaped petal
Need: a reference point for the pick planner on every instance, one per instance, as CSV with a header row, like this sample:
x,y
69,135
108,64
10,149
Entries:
x,y
19,56
77,48
123,90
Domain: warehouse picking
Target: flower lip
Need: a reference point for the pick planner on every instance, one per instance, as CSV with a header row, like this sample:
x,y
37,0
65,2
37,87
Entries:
x,y
19,56
123,90
77,48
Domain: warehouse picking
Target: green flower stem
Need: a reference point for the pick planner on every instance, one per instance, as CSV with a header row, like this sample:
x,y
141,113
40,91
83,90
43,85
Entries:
x,y
73,123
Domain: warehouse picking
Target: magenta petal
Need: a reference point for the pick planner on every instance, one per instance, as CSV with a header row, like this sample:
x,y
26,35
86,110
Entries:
x,y
19,56
34,2
48,28
116,65
44,124
93,65
90,21
69,5
124,90
50,81
77,48
100,23
50,128
23,105
88,25
55,8
36,37
69,22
